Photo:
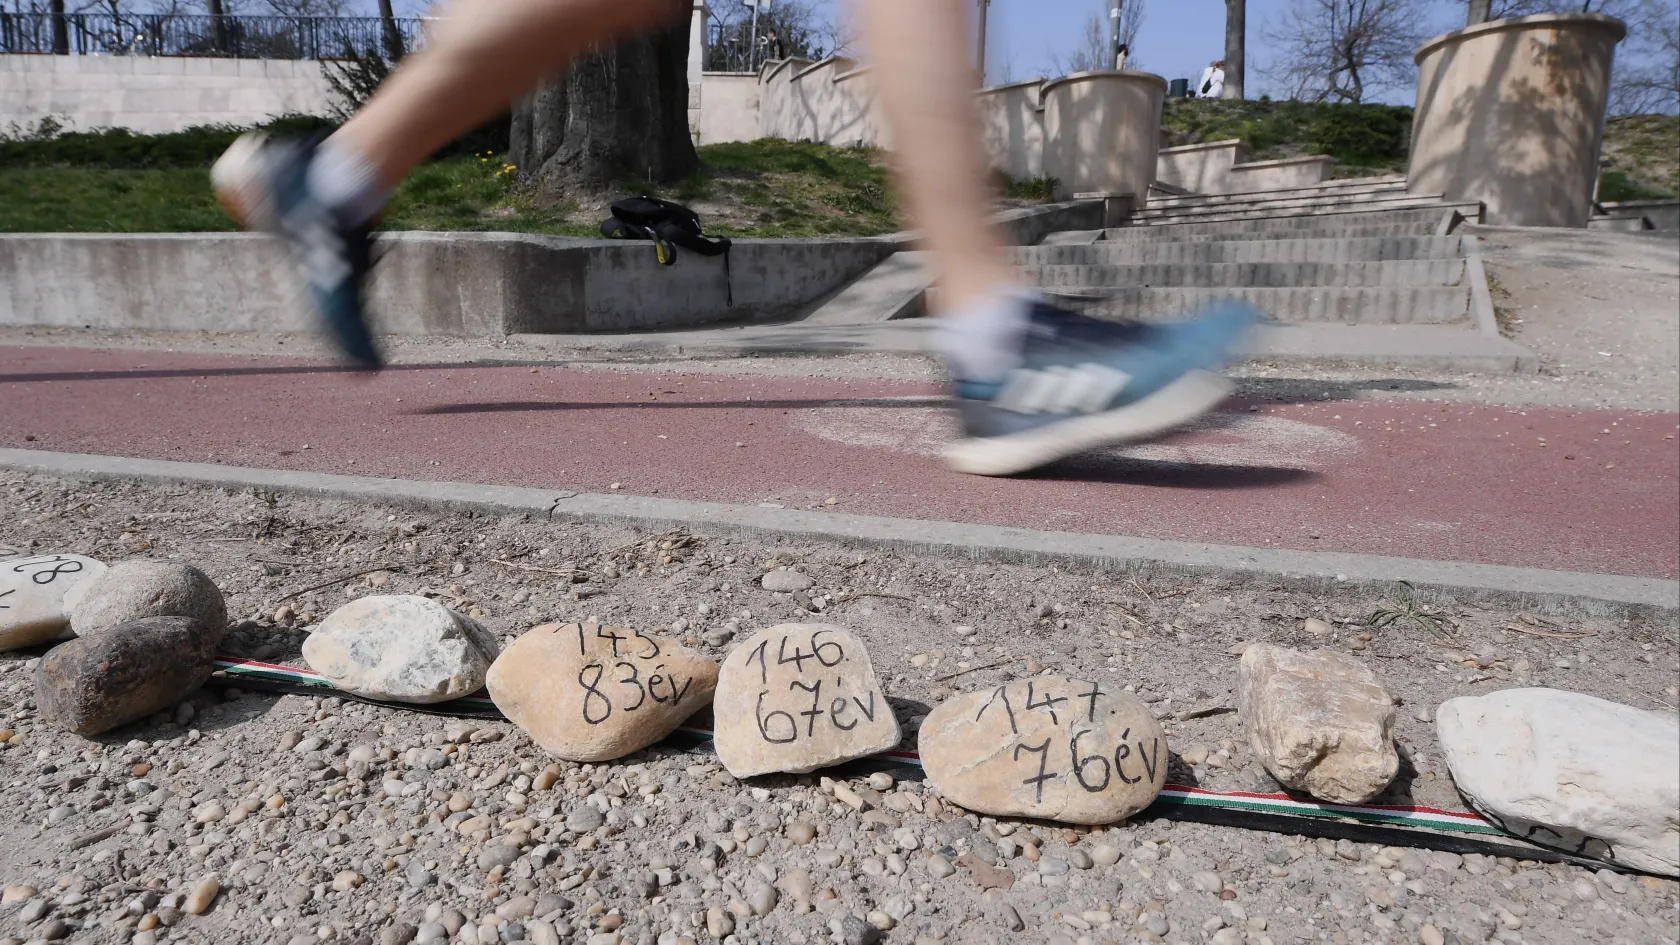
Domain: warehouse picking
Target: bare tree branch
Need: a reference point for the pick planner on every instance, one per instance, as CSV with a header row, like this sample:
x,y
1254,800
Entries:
x,y
1345,50
1089,50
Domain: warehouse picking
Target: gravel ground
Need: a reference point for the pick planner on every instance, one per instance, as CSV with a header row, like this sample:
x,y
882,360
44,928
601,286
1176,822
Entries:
x,y
289,800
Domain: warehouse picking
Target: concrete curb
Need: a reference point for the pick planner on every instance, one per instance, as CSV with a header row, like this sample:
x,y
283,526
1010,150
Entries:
x,y
1529,588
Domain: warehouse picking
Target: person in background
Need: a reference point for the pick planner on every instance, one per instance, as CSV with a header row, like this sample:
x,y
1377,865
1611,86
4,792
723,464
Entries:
x,y
1213,80
773,48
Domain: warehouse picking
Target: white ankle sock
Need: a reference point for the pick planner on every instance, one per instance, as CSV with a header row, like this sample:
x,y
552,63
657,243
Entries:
x,y
344,180
982,340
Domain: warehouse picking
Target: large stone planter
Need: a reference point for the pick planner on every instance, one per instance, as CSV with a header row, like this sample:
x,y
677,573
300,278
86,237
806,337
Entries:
x,y
1511,113
1102,131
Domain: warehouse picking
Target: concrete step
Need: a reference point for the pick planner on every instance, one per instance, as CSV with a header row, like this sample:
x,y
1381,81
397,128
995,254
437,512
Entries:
x,y
1416,221
1418,347
1191,252
893,289
1352,188
1389,305
1071,238
1252,209
1280,275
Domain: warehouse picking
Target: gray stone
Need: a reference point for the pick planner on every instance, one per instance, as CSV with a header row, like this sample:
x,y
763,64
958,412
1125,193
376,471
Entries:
x,y
33,593
94,684
140,588
784,581
1568,770
851,930
584,818
497,854
399,934
401,648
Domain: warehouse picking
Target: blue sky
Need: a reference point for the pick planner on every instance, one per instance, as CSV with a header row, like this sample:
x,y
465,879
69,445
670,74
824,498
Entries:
x,y
1177,40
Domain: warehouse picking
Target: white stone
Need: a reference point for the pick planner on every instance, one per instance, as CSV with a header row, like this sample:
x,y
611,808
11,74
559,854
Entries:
x,y
1570,771
401,648
33,605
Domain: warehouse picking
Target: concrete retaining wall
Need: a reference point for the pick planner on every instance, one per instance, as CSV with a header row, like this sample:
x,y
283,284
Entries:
x,y
728,107
1228,167
1012,127
425,284
1663,214
1511,113
156,95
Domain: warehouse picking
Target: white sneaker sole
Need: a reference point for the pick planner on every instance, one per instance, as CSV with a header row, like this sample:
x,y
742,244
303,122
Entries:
x,y
1178,403
239,178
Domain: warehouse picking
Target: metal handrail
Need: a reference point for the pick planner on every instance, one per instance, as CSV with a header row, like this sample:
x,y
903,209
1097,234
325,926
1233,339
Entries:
x,y
233,37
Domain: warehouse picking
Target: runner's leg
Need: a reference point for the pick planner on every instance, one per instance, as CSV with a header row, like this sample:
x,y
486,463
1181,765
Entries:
x,y
322,199
484,55
1031,383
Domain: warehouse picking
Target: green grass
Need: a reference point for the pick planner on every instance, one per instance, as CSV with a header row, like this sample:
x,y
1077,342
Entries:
x,y
115,181
121,183
1616,185
91,200
1645,150
1367,139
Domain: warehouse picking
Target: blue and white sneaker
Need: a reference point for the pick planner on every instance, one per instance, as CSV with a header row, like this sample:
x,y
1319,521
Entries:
x,y
1085,383
263,184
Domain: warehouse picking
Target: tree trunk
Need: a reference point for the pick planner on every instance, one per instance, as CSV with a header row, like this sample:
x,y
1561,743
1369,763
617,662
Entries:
x,y
1480,12
619,114
218,25
392,36
1236,42
60,29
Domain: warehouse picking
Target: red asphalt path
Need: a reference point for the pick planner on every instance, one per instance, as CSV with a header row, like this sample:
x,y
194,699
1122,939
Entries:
x,y
1574,490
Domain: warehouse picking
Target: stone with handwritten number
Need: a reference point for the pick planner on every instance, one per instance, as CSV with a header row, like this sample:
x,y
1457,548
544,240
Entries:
x,y
798,697
32,596
401,647
593,693
1051,747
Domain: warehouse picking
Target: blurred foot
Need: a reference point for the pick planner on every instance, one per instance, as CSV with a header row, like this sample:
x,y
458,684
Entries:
x,y
1080,383
267,185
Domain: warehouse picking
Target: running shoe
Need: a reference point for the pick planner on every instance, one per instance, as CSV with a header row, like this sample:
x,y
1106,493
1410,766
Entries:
x,y
264,185
1085,383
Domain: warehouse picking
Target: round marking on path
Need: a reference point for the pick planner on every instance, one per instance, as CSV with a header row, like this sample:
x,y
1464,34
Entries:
x,y
1219,439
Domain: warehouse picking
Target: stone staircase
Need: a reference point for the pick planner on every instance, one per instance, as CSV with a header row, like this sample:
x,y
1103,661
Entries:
x,y
1355,270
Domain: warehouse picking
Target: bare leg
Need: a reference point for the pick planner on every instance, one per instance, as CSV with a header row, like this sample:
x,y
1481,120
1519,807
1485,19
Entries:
x,y
484,54
926,83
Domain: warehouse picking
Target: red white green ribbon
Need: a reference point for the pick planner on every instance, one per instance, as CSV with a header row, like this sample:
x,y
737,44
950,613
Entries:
x,y
1428,818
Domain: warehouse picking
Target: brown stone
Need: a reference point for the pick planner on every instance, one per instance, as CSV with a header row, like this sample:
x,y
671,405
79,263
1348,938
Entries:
x,y
798,697
1051,747
593,693
987,875
1319,721
93,684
